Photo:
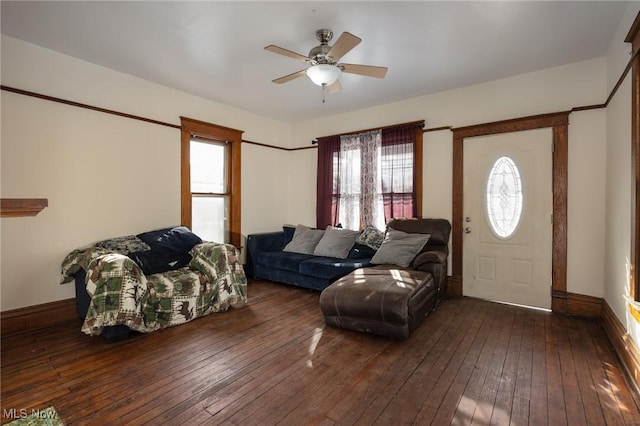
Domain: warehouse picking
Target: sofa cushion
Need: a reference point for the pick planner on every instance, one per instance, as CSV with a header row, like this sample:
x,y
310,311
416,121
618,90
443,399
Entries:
x,y
124,245
282,260
288,230
330,267
399,248
179,239
439,229
304,240
160,260
336,242
371,237
358,251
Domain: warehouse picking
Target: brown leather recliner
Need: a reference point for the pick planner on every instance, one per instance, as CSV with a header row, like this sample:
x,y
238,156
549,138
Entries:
x,y
388,300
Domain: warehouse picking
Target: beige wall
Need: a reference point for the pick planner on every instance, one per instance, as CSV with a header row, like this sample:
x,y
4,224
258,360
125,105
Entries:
x,y
105,175
618,180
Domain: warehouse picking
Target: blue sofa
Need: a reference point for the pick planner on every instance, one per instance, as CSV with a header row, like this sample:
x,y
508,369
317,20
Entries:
x,y
265,259
389,298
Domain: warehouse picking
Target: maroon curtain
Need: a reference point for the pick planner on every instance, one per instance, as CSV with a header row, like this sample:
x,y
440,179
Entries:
x,y
327,201
397,174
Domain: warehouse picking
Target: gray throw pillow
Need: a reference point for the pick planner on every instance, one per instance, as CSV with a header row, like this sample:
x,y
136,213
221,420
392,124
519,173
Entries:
x,y
336,242
399,248
304,240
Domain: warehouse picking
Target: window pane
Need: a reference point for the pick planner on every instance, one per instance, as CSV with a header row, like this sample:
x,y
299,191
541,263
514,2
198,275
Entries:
x,y
397,168
349,187
208,173
209,218
504,197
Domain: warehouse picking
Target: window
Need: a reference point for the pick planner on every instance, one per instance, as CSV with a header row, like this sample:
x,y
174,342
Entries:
x,y
209,190
399,184
504,198
365,179
211,181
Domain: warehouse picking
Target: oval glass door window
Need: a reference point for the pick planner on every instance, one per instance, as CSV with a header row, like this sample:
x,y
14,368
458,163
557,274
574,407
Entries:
x,y
504,198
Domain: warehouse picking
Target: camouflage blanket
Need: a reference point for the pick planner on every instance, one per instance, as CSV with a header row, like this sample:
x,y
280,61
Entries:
x,y
122,294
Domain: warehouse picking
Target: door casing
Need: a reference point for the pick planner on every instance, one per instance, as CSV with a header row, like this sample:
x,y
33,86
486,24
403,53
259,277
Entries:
x,y
559,122
515,269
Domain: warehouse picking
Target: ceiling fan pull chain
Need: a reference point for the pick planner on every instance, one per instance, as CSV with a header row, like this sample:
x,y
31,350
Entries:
x,y
324,86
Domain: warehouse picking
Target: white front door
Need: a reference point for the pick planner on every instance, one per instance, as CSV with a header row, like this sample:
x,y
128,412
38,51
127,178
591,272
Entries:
x,y
508,206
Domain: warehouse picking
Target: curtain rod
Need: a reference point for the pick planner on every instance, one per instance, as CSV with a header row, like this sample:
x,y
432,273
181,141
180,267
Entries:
x,y
419,123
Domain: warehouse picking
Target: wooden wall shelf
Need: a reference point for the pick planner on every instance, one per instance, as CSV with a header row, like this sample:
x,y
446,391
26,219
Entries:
x,y
20,207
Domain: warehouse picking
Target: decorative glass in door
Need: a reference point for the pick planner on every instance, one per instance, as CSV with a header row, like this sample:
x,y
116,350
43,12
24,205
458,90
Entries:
x,y
504,198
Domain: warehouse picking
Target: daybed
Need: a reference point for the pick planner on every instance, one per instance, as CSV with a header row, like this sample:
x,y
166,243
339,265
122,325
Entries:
x,y
153,280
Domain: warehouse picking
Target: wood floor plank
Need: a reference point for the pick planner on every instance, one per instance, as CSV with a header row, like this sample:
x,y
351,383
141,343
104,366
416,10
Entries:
x,y
504,396
445,395
301,399
522,388
338,386
471,393
538,407
574,404
446,411
578,338
270,388
400,377
626,402
398,362
412,376
486,400
555,391
207,373
274,361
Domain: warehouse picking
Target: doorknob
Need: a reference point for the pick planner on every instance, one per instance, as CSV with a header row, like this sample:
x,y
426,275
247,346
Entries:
x,y
467,230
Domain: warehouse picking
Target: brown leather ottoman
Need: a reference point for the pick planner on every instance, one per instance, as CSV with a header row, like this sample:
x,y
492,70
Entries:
x,y
383,300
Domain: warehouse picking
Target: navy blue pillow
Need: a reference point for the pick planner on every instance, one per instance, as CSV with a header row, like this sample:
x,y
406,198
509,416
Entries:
x,y
288,233
360,251
178,239
160,260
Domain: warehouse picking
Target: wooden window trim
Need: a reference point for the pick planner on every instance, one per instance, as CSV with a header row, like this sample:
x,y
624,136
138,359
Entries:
x,y
633,37
191,127
559,122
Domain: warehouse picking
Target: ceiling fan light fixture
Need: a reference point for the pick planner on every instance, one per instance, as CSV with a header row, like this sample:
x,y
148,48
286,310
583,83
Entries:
x,y
324,74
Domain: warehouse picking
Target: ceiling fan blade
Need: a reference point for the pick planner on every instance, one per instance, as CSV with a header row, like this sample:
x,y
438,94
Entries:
x,y
334,88
367,70
289,77
344,44
285,52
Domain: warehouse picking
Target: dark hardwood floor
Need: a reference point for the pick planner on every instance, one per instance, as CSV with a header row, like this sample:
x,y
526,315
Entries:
x,y
274,362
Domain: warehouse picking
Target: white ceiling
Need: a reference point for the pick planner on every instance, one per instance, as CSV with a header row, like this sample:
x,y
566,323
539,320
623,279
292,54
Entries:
x,y
215,49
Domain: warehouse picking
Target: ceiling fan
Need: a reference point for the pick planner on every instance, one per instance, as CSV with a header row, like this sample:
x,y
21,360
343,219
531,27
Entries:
x,y
325,69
